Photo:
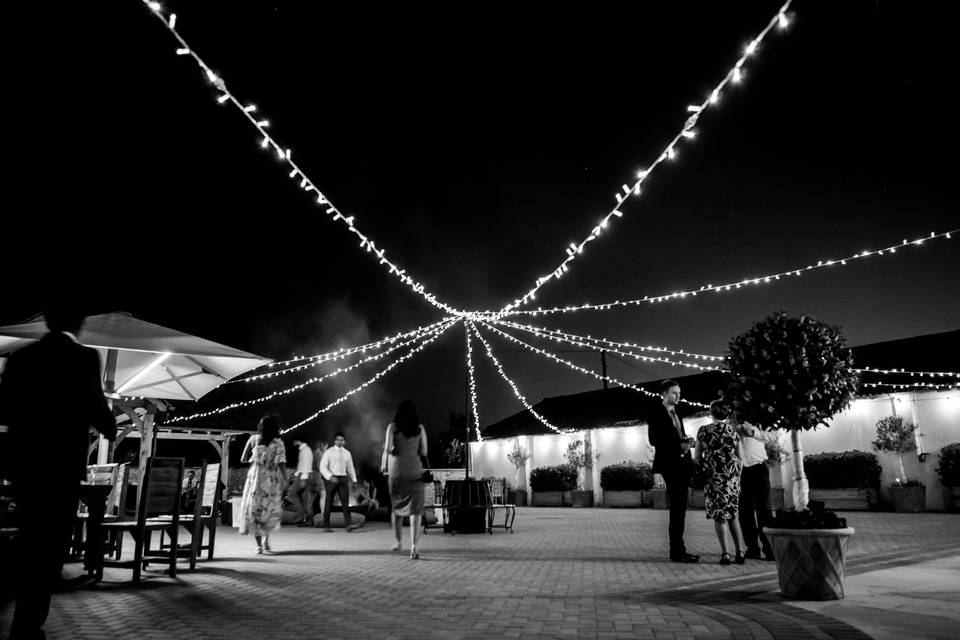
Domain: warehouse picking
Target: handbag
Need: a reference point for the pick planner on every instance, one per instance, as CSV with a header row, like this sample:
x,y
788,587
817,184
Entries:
x,y
427,476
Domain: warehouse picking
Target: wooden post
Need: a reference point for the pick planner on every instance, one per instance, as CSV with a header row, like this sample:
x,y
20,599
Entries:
x,y
104,448
146,446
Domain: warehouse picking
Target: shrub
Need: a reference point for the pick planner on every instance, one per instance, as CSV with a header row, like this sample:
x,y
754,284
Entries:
x,y
949,466
896,435
562,477
627,476
847,469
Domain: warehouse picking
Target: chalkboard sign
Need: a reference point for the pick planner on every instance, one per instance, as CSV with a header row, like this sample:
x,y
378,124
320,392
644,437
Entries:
x,y
210,481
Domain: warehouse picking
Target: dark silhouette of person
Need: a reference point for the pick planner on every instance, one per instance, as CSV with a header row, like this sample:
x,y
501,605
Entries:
x,y
50,396
672,461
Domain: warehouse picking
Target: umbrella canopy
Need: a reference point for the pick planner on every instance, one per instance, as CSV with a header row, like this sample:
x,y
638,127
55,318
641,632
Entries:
x,y
139,358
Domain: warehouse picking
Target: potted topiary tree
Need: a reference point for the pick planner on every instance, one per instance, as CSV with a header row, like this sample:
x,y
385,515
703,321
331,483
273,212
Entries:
x,y
518,456
795,374
550,483
580,458
896,435
948,468
625,484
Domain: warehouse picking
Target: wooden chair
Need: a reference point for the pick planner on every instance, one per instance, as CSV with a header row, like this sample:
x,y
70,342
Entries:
x,y
159,496
204,517
434,502
97,475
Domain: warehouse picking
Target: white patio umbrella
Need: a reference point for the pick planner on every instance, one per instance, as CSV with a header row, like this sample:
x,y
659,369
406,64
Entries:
x,y
139,358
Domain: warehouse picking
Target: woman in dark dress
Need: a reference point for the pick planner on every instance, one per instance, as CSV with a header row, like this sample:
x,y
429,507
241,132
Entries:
x,y
404,460
717,452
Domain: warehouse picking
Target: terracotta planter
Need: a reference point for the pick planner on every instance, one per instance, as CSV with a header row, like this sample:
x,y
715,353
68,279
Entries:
x,y
578,498
912,499
548,498
658,498
810,561
623,498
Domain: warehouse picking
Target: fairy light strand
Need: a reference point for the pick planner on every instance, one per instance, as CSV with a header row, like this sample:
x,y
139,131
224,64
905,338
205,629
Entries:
x,y
904,372
284,155
376,377
584,370
340,354
687,133
512,384
306,383
473,383
729,286
914,385
582,342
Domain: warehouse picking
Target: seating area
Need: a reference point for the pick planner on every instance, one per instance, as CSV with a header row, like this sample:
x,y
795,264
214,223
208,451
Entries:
x,y
487,495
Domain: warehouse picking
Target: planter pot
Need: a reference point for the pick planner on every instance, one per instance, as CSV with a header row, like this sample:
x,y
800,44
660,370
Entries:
x,y
578,498
810,561
697,499
623,498
951,499
548,498
911,499
658,498
518,498
845,499
777,498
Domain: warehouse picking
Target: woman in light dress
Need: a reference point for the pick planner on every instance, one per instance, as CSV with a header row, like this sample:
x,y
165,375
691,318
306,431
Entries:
x,y
261,506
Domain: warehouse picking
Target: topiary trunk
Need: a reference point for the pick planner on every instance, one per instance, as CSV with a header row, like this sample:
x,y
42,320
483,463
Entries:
x,y
801,489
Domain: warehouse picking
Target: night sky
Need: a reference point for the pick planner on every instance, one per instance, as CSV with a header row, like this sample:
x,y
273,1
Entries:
x,y
473,144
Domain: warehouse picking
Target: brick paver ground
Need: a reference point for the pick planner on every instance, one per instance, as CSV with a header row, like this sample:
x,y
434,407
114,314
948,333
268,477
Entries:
x,y
593,573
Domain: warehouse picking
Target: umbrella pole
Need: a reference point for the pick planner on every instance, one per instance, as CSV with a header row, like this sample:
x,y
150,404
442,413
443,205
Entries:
x,y
104,448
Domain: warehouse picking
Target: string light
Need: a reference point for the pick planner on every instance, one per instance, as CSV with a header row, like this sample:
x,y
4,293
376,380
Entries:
x,y
516,391
669,153
305,383
581,342
379,375
915,385
295,172
932,374
339,354
583,370
765,279
473,383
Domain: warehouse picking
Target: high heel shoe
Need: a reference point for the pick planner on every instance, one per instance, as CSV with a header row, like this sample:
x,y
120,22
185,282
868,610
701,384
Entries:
x,y
724,558
739,559
414,554
395,546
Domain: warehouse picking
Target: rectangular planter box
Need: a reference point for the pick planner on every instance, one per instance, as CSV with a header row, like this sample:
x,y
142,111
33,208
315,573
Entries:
x,y
518,498
623,498
951,499
548,498
658,498
697,499
578,498
846,499
909,499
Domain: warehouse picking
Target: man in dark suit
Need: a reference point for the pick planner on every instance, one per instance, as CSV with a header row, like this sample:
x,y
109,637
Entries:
x,y
50,396
672,461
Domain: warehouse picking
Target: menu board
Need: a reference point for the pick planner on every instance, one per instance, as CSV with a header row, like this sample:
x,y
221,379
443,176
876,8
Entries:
x,y
210,484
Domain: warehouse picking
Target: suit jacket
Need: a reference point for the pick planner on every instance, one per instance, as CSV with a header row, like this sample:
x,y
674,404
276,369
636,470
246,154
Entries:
x,y
664,437
50,396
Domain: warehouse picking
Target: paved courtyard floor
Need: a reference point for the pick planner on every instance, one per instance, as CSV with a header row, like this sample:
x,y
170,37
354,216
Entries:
x,y
564,573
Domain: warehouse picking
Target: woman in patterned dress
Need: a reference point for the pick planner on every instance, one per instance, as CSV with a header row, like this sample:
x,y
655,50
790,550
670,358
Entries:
x,y
717,453
261,506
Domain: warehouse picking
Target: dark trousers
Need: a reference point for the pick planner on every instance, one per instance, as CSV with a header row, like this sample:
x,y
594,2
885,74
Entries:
x,y
305,496
677,481
340,485
755,507
45,517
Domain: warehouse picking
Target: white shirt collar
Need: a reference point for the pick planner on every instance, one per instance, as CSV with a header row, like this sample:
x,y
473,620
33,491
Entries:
x,y
72,337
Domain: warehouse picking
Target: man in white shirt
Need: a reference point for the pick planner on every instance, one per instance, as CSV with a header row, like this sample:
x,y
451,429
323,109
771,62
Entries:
x,y
754,491
336,467
305,482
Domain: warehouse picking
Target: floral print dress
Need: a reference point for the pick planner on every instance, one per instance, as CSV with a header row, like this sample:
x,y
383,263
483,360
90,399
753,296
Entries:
x,y
261,506
721,467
